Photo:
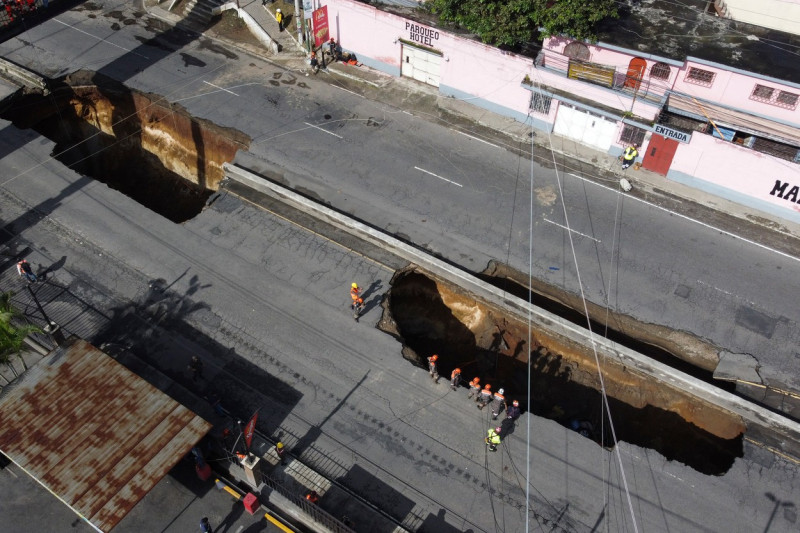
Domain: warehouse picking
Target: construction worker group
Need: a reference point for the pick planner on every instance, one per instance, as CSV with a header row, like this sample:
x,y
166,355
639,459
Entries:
x,y
483,396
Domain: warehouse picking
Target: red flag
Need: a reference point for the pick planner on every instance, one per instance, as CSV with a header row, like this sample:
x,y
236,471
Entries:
x,y
249,429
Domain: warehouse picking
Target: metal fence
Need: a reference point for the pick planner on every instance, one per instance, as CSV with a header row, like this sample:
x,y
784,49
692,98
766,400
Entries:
x,y
313,510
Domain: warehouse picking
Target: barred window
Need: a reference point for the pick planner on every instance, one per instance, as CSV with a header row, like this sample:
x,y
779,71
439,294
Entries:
x,y
631,135
773,148
787,99
700,77
660,71
762,92
541,103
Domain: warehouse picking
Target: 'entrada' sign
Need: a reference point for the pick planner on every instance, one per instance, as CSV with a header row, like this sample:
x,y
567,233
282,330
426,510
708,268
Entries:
x,y
421,34
669,133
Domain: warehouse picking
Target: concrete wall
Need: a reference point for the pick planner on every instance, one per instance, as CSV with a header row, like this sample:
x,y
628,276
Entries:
x,y
471,71
733,88
738,174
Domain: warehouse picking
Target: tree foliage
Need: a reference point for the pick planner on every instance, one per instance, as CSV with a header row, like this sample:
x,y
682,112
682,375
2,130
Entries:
x,y
513,22
11,335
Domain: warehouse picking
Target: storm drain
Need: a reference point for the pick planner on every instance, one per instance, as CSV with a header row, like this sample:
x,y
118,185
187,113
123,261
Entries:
x,y
430,317
137,143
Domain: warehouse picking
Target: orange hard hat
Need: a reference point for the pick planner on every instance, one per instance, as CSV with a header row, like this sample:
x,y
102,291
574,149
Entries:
x,y
487,386
434,357
476,380
457,370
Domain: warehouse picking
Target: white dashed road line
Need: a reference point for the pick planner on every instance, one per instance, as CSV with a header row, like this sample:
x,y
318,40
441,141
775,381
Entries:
x,y
437,176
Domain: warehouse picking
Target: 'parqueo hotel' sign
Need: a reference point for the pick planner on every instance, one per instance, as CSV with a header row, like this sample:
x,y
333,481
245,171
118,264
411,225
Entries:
x,y
421,34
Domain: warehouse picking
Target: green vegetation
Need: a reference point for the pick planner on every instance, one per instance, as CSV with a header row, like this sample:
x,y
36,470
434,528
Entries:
x,y
514,22
11,335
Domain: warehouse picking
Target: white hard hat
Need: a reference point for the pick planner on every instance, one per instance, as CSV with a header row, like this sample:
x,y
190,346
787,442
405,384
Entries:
x,y
500,391
277,11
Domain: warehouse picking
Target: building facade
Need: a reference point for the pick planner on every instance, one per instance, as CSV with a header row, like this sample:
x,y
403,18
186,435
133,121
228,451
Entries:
x,y
724,130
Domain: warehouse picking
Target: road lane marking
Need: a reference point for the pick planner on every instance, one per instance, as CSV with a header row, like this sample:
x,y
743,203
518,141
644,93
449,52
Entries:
x,y
220,88
572,230
694,220
437,176
100,38
323,129
476,138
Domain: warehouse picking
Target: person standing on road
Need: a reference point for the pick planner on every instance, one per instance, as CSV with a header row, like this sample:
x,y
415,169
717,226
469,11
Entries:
x,y
498,403
493,438
433,368
196,368
513,412
485,396
24,269
279,18
455,378
474,388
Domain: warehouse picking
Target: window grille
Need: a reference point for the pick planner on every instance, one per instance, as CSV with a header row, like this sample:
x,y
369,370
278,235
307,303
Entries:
x,y
787,99
762,92
699,76
541,103
632,135
773,148
660,71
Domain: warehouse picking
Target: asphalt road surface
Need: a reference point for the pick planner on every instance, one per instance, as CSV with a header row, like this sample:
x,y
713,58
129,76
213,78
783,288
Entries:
x,y
264,301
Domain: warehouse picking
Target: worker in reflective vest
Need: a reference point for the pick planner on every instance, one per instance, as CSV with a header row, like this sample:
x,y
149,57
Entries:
x,y
433,369
485,396
629,156
498,403
474,388
455,378
493,438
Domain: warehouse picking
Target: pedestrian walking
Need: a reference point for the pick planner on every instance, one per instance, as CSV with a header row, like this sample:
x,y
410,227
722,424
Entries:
x,y
280,449
629,156
493,438
279,18
24,269
205,527
433,369
474,387
455,378
196,368
484,397
498,403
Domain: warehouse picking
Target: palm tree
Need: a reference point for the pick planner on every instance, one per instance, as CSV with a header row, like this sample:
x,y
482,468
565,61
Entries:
x,y
12,335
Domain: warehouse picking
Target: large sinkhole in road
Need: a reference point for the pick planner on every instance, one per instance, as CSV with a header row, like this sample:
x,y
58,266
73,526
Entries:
x,y
433,317
136,143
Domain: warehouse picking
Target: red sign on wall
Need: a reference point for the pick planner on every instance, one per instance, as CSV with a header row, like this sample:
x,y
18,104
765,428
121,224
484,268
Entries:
x,y
249,430
320,26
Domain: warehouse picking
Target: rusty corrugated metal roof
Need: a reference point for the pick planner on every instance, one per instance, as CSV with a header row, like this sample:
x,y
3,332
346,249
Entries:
x,y
93,433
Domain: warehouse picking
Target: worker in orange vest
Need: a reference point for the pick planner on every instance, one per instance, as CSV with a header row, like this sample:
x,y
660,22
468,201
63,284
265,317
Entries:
x,y
433,370
313,497
455,378
498,403
474,388
485,396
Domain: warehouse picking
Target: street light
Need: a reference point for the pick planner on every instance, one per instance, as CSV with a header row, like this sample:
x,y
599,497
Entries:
x,y
51,328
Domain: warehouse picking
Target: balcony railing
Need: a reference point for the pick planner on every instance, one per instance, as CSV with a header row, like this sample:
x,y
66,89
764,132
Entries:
x,y
604,75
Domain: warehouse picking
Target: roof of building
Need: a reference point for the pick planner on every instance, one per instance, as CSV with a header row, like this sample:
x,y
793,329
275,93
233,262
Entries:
x,y
92,432
684,29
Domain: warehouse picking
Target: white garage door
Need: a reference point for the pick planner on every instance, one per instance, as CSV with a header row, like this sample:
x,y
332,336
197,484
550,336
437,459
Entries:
x,y
421,65
585,127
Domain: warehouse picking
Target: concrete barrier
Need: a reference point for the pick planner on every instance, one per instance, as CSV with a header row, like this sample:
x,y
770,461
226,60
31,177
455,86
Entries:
x,y
764,427
21,76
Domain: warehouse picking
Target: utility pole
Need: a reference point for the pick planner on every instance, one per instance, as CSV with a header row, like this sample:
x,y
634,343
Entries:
x,y
298,21
51,328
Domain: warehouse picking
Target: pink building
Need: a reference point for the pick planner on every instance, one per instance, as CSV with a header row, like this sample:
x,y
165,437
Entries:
x,y
727,130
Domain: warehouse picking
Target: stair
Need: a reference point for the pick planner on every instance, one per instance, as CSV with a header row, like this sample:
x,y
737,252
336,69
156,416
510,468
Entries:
x,y
198,12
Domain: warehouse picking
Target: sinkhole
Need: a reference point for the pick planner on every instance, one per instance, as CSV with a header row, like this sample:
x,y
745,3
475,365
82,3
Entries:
x,y
430,316
137,143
